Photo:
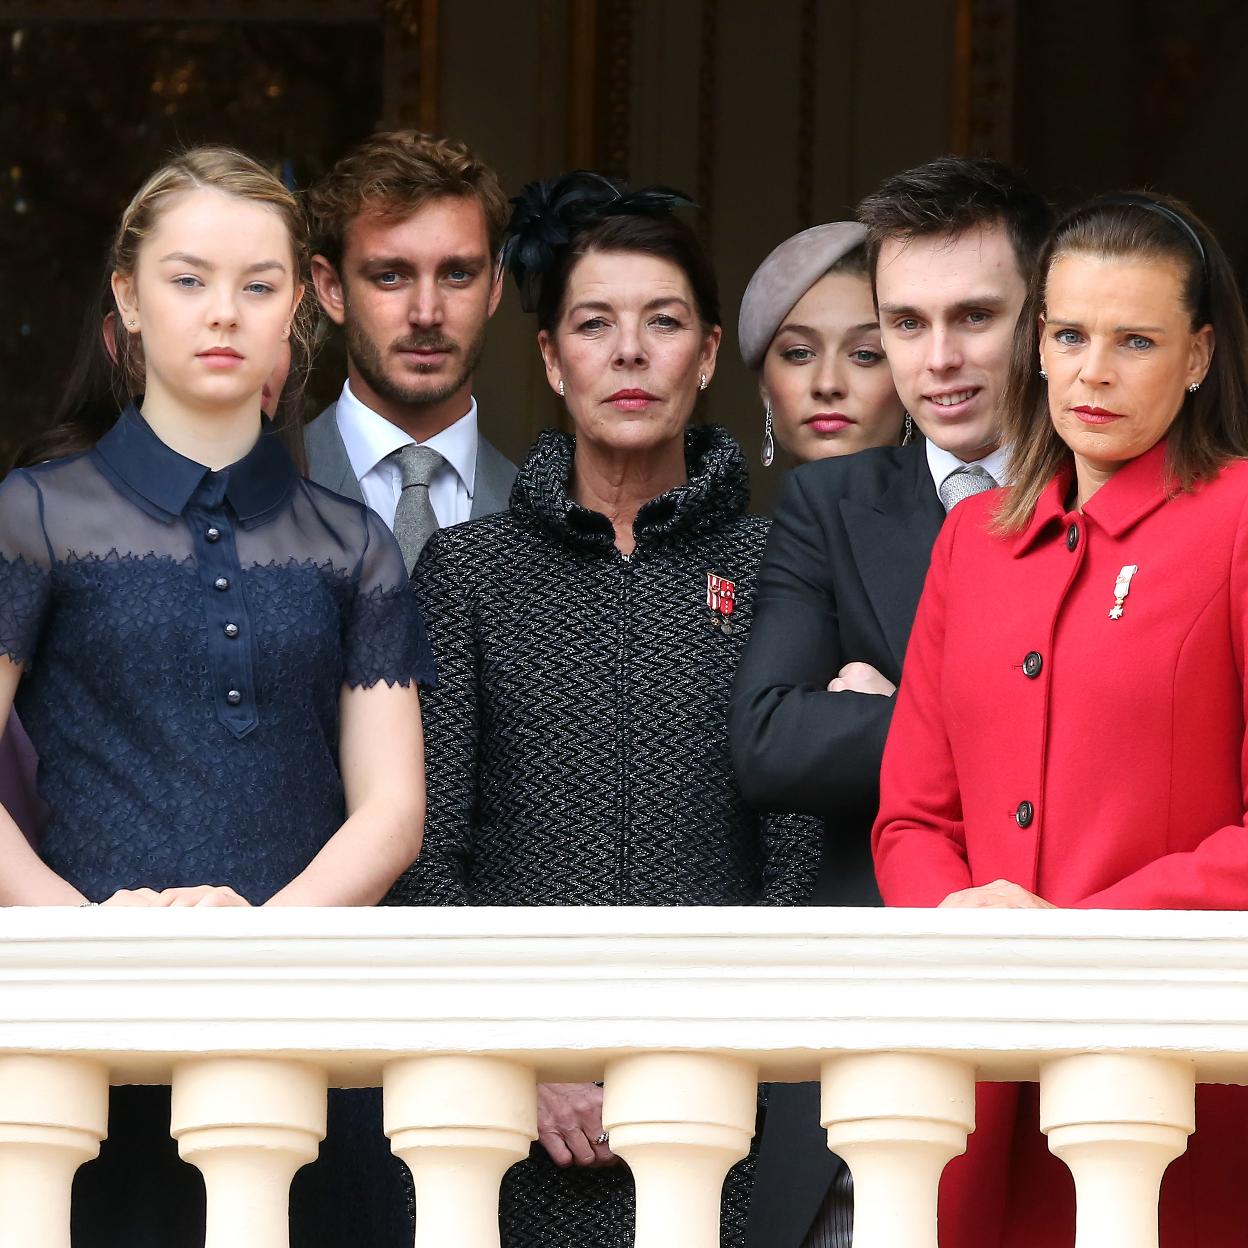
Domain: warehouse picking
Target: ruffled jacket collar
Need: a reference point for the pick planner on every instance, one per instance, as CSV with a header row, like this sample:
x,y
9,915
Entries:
x,y
717,492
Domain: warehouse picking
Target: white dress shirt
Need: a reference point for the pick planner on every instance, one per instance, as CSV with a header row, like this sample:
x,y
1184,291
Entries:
x,y
370,438
941,463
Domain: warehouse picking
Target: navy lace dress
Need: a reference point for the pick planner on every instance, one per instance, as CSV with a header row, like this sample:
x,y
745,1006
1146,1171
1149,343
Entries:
x,y
185,636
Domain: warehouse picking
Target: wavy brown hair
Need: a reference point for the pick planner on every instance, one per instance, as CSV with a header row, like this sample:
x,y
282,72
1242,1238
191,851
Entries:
x,y
393,174
82,418
1212,425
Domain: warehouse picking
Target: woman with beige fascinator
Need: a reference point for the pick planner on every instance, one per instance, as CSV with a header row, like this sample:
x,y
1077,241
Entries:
x,y
809,328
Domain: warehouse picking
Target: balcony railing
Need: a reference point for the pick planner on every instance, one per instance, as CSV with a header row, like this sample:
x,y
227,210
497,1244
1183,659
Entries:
x,y
456,1013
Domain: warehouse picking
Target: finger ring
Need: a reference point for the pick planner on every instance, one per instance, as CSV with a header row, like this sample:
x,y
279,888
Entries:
x,y
603,1138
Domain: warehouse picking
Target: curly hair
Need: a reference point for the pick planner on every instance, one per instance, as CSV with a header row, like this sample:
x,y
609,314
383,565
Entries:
x,y
393,173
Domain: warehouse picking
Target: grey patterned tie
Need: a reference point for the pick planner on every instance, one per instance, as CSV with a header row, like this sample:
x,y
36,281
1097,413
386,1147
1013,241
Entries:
x,y
962,483
414,521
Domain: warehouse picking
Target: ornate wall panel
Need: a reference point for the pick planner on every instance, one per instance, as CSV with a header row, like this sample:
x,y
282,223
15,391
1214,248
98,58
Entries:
x,y
95,94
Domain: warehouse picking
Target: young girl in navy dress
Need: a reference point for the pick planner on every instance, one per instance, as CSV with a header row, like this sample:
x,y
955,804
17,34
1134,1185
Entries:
x,y
217,660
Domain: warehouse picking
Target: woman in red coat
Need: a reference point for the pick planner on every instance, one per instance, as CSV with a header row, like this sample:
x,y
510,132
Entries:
x,y
1070,729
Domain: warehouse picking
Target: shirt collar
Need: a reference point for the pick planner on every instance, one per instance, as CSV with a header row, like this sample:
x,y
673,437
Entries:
x,y
369,438
941,463
1136,490
162,481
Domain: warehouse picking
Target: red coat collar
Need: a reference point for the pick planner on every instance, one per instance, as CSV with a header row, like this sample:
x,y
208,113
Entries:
x,y
1136,490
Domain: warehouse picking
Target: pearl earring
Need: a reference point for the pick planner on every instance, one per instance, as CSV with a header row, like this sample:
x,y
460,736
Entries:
x,y
1193,387
1043,375
132,324
561,388
702,382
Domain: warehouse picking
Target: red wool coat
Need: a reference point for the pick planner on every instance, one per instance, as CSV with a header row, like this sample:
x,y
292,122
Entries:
x,y
1099,762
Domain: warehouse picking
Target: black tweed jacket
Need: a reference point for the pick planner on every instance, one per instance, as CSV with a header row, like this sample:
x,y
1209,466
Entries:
x,y
577,741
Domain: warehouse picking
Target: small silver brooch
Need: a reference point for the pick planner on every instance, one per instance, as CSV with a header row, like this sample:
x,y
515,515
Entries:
x,y
1122,587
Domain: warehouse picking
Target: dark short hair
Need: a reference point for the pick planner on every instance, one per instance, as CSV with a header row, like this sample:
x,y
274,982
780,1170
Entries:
x,y
952,194
394,173
1212,426
665,236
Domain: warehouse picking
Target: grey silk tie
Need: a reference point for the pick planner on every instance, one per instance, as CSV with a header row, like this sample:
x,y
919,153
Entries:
x,y
414,521
962,483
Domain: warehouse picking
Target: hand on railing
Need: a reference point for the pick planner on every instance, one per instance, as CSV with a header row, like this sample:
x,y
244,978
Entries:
x,y
200,895
569,1124
999,895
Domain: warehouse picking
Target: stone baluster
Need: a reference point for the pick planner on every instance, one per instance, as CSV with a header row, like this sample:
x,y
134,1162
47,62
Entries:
x,y
459,1122
248,1124
897,1119
53,1115
680,1120
1117,1121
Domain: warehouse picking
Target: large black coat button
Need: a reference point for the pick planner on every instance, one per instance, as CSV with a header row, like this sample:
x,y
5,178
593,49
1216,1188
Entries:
x,y
234,698
1025,813
1032,664
1072,537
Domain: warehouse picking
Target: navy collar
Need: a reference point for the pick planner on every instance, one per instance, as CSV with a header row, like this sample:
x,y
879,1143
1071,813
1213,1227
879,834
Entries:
x,y
163,482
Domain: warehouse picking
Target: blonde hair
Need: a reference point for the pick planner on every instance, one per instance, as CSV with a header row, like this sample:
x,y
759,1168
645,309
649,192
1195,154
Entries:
x,y
221,169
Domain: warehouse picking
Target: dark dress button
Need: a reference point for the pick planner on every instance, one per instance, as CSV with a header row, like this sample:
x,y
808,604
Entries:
x,y
234,698
1072,537
1025,813
1032,664
213,534
222,583
231,630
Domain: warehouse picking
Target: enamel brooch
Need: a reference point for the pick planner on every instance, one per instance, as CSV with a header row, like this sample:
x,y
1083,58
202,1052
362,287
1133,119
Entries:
x,y
721,601
1122,587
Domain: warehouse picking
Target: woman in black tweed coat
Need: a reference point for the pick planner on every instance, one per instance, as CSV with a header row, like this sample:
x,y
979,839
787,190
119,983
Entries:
x,y
577,748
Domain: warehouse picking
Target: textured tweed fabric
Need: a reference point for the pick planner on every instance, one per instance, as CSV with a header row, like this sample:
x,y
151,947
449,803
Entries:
x,y
577,749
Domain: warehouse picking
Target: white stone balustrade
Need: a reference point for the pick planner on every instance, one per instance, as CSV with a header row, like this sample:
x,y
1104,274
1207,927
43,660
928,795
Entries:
x,y
457,1013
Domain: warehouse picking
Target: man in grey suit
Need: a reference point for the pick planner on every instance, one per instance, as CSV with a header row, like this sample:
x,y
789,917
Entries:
x,y
406,231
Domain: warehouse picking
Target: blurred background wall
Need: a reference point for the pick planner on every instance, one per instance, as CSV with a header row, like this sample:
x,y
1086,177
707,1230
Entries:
x,y
772,116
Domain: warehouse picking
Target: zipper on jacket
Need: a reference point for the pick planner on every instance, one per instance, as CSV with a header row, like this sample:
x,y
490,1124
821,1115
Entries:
x,y
622,720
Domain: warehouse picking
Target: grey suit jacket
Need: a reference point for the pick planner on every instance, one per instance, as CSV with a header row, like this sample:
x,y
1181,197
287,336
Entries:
x,y
330,466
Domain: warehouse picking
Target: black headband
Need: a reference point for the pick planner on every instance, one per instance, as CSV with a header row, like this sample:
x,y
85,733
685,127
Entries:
x,y
1180,223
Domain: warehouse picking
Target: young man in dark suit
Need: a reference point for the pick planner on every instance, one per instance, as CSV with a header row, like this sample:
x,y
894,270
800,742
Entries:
x,y
950,243
407,230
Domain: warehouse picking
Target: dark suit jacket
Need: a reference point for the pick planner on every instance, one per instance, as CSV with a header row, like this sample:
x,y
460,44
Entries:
x,y
330,466
840,582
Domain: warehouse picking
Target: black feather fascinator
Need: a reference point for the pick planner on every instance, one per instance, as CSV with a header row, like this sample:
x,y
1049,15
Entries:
x,y
548,215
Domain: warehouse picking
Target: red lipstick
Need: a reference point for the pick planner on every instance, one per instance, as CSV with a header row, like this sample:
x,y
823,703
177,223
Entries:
x,y
632,400
830,422
1096,415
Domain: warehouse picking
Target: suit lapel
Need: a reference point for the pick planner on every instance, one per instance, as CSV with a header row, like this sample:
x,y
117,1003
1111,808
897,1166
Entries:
x,y
328,462
494,478
891,539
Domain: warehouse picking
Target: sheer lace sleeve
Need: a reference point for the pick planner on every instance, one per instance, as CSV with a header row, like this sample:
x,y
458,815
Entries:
x,y
384,633
25,567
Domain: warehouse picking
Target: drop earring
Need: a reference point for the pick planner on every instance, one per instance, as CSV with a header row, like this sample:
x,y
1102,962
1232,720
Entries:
x,y
561,387
769,443
907,430
702,382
